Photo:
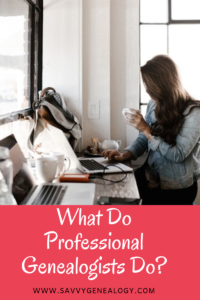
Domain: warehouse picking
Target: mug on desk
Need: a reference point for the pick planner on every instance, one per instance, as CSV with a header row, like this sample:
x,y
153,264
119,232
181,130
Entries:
x,y
61,159
47,168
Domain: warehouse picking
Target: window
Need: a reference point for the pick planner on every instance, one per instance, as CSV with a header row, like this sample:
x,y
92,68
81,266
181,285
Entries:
x,y
20,56
172,27
20,65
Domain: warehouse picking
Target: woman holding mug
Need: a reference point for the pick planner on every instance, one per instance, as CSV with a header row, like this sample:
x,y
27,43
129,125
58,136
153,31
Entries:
x,y
171,134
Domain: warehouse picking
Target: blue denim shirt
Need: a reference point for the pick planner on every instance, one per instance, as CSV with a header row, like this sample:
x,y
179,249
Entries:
x,y
178,166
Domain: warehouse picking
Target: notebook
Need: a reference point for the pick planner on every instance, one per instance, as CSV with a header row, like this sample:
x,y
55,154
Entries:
x,y
25,190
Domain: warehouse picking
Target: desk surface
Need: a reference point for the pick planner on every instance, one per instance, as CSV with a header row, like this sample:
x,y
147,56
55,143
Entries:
x,y
125,189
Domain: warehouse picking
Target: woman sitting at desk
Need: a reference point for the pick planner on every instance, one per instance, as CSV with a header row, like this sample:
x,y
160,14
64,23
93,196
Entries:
x,y
171,133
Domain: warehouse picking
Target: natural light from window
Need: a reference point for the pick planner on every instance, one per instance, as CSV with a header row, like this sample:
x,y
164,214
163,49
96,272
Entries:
x,y
14,58
180,38
185,9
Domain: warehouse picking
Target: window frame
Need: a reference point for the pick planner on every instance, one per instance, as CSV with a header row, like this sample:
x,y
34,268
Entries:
x,y
33,59
170,22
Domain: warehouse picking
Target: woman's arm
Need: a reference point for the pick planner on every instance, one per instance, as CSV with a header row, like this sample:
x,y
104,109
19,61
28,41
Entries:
x,y
185,141
116,155
140,145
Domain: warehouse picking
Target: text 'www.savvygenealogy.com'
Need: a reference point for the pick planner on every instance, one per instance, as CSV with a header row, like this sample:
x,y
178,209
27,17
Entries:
x,y
103,290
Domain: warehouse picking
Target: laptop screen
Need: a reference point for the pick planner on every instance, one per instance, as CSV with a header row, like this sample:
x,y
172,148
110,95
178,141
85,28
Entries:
x,y
23,180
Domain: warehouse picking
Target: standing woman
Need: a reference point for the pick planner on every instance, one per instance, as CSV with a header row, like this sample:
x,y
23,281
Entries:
x,y
170,133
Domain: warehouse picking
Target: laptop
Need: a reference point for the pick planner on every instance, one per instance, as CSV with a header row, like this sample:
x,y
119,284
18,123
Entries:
x,y
26,192
84,165
94,165
101,165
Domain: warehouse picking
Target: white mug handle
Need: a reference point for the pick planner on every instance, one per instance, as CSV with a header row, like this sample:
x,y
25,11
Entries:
x,y
64,169
69,163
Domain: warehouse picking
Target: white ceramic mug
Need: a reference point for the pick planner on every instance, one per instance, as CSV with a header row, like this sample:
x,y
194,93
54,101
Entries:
x,y
61,159
46,168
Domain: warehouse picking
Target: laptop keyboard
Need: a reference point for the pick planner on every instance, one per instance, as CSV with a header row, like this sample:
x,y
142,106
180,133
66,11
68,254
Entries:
x,y
50,194
91,165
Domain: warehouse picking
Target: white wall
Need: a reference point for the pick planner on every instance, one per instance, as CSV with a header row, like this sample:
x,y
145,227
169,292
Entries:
x,y
91,53
96,68
61,50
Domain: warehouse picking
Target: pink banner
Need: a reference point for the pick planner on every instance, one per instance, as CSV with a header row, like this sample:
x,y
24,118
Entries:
x,y
115,252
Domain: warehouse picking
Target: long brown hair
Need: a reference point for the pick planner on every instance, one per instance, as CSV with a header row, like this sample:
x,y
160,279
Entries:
x,y
162,82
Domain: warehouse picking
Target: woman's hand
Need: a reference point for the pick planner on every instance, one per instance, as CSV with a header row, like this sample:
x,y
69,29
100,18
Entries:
x,y
136,120
116,155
